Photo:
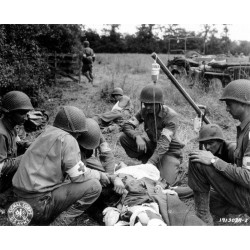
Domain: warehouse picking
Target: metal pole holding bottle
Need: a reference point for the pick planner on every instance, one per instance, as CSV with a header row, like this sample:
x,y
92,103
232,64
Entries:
x,y
180,88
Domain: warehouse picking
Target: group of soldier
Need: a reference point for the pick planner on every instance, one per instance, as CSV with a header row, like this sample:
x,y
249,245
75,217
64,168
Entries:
x,y
60,176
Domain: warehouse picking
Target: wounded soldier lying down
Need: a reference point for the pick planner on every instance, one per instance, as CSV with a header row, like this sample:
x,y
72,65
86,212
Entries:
x,y
144,200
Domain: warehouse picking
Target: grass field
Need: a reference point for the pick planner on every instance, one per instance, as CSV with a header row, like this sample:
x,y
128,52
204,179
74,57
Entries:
x,y
132,72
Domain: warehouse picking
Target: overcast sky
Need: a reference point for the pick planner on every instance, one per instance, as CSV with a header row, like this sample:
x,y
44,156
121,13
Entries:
x,y
236,31
131,11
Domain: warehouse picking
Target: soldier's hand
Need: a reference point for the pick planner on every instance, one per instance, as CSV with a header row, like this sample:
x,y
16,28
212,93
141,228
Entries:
x,y
201,156
104,180
141,144
35,120
119,187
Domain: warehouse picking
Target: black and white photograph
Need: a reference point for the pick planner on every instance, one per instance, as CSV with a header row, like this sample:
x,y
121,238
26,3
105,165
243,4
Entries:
x,y
124,124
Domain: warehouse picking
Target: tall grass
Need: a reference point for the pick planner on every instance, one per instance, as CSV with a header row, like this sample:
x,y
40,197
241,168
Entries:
x,y
133,71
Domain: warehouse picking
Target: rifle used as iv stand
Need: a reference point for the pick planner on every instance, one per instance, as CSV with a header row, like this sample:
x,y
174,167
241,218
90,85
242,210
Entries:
x,y
198,108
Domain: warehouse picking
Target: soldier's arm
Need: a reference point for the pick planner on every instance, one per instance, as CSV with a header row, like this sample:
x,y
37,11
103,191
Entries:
x,y
93,55
129,126
72,164
124,102
164,141
7,165
231,149
239,175
106,156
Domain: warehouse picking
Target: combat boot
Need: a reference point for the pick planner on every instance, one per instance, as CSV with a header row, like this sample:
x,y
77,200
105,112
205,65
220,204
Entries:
x,y
201,201
67,217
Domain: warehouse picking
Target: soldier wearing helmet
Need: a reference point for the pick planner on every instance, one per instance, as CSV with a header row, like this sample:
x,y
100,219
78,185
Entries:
x,y
14,109
122,102
120,111
93,141
88,57
51,176
161,146
211,136
230,193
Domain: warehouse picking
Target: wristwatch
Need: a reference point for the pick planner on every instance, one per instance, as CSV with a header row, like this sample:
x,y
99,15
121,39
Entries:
x,y
213,160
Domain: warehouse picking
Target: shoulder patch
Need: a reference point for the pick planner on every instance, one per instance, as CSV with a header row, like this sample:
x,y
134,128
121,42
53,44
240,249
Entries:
x,y
168,133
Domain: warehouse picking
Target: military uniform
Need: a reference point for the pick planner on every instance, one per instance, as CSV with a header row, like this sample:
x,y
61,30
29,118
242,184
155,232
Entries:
x,y
10,144
106,156
226,151
230,182
8,154
88,59
163,146
51,176
119,112
42,177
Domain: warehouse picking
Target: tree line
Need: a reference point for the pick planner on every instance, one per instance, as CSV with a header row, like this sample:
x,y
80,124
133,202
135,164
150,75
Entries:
x,y
165,39
23,65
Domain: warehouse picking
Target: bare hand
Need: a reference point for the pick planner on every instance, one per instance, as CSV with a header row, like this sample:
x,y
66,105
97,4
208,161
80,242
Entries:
x,y
201,156
141,144
104,180
118,185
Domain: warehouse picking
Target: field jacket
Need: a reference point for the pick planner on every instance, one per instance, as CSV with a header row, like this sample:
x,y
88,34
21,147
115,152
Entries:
x,y
161,129
240,171
8,148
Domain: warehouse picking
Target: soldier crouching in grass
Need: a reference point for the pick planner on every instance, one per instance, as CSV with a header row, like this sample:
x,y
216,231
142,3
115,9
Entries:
x,y
51,177
160,146
212,138
230,182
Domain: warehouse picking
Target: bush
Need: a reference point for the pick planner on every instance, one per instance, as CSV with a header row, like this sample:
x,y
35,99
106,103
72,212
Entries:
x,y
22,66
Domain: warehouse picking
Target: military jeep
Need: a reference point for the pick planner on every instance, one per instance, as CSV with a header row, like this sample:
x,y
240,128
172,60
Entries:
x,y
218,75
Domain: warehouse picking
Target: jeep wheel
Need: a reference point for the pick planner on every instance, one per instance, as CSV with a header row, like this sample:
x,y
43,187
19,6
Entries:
x,y
176,73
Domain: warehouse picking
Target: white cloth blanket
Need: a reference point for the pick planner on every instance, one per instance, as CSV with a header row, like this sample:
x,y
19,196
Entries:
x,y
140,171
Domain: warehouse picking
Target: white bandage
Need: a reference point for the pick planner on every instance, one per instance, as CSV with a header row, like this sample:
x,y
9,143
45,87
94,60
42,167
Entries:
x,y
104,147
18,138
1,166
77,170
168,133
134,121
246,162
117,107
141,171
156,222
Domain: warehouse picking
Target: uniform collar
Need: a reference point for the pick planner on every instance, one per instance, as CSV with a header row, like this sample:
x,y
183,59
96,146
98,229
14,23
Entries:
x,y
221,148
244,123
159,114
7,123
9,126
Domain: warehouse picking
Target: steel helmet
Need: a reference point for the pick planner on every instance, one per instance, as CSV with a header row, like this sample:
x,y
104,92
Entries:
x,y
71,119
238,90
210,132
151,94
117,91
86,43
91,138
16,100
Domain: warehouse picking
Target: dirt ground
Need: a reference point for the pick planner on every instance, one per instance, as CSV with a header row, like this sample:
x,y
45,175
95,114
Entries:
x,y
88,97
